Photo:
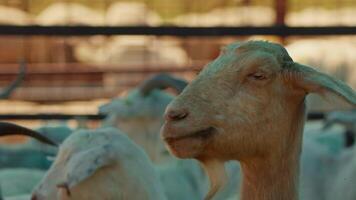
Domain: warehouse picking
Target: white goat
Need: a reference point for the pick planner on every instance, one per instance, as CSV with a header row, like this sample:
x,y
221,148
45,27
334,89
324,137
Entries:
x,y
139,113
344,178
13,129
345,118
248,105
100,164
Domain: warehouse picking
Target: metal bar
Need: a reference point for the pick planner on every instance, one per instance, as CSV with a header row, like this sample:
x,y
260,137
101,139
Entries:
x,y
311,116
49,117
85,69
174,31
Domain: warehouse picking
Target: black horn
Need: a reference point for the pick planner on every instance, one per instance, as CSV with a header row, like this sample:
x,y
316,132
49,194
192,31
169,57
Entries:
x,y
5,93
162,81
13,129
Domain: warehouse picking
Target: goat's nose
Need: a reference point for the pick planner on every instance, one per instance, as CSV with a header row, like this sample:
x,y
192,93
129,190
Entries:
x,y
176,115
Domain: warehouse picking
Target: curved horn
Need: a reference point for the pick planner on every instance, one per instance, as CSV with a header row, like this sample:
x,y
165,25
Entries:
x,y
162,81
20,77
13,129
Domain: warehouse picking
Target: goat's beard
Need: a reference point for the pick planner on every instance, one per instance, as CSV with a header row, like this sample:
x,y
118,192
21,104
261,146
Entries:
x,y
216,172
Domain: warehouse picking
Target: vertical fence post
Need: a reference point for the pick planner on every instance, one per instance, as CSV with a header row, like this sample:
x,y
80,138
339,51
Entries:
x,y
281,12
246,2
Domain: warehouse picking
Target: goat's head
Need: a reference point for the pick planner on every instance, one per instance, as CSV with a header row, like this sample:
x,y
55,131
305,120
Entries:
x,y
75,163
147,101
85,161
244,104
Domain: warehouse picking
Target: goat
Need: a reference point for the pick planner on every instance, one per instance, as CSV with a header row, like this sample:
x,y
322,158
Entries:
x,y
139,114
100,164
249,105
346,118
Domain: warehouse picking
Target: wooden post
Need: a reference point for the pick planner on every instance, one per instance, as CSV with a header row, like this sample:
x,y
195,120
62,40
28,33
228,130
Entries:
x,y
281,11
246,2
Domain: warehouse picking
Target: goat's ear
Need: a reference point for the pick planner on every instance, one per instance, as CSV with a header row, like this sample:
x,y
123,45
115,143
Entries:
x,y
84,164
313,81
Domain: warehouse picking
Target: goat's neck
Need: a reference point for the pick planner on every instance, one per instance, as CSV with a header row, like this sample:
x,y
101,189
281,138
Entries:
x,y
275,176
267,181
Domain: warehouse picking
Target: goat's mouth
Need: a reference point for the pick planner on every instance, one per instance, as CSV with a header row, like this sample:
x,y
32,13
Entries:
x,y
202,134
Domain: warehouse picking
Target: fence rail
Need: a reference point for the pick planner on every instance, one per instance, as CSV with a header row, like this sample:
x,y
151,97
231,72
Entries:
x,y
174,31
50,117
97,117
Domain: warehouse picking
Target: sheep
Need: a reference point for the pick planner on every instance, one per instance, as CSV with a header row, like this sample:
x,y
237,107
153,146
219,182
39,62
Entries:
x,y
100,164
251,86
139,113
6,92
21,181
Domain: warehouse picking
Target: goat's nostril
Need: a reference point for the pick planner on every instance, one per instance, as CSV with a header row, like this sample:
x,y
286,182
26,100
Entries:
x,y
175,115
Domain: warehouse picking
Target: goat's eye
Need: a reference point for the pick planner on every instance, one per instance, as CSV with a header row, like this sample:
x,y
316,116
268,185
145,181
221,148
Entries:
x,y
257,76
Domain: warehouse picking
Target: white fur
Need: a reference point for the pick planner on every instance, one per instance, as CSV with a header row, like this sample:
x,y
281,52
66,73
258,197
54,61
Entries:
x,y
140,117
100,164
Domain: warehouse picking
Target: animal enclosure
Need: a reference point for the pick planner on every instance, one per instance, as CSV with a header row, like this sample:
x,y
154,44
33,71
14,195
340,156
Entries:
x,y
67,65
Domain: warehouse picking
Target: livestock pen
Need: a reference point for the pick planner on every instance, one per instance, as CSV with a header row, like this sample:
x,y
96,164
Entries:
x,y
83,56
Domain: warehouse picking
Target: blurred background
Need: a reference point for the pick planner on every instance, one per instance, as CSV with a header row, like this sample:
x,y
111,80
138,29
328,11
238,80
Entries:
x,y
71,64
74,74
